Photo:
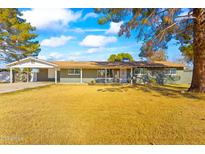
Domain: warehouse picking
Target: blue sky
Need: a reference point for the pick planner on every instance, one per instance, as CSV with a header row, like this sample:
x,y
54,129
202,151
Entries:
x,y
74,34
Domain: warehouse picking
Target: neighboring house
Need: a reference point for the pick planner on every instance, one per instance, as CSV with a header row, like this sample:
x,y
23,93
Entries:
x,y
101,72
4,75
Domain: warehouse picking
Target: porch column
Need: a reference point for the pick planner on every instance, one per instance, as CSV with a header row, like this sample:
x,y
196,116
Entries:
x,y
131,74
105,75
81,75
27,76
11,75
120,77
56,75
32,76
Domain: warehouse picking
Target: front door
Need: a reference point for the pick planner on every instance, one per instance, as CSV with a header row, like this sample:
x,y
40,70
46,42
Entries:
x,y
123,75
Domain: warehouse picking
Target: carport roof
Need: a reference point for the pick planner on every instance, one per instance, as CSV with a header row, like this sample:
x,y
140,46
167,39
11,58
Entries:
x,y
31,62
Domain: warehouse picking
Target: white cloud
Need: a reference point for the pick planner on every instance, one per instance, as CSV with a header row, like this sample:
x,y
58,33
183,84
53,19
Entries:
x,y
59,56
42,57
90,15
116,49
50,18
53,56
74,56
80,30
114,28
94,50
76,30
56,41
94,30
97,40
56,56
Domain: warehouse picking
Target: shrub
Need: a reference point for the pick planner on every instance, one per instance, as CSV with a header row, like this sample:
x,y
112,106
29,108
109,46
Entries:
x,y
92,82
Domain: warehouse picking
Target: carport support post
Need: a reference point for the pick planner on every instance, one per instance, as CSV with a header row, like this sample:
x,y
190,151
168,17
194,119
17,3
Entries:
x,y
131,74
55,75
81,75
11,75
27,75
105,75
120,76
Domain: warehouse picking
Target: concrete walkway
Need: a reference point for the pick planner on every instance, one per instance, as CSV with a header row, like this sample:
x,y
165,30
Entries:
x,y
7,87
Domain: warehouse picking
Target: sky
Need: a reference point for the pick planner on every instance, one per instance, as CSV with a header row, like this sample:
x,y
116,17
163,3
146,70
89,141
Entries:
x,y
74,34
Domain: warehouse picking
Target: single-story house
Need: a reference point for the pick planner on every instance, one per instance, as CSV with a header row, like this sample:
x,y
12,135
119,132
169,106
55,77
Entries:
x,y
97,71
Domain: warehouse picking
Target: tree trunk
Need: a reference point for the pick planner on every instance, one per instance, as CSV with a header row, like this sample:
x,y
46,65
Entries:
x,y
198,79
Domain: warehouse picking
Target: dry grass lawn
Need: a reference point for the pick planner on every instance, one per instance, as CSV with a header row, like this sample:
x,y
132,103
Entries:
x,y
81,114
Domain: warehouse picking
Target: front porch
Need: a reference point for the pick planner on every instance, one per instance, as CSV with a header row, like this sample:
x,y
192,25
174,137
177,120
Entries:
x,y
114,75
101,75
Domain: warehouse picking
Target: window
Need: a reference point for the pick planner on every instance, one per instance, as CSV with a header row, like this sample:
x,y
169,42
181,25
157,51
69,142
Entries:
x,y
74,72
101,73
140,71
109,73
171,71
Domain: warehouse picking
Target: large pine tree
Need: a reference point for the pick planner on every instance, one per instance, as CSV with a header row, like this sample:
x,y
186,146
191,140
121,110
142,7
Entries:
x,y
156,27
17,39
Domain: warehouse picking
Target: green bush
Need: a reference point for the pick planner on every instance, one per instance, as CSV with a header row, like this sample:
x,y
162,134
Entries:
x,y
92,82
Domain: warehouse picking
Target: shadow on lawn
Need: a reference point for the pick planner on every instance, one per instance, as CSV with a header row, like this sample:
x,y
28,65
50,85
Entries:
x,y
169,91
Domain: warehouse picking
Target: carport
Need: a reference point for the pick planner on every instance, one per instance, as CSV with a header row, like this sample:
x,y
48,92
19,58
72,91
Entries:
x,y
34,64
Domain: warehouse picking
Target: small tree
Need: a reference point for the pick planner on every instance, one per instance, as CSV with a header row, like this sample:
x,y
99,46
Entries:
x,y
112,58
120,56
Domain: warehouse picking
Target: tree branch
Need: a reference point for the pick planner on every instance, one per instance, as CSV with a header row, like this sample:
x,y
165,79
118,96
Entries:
x,y
163,31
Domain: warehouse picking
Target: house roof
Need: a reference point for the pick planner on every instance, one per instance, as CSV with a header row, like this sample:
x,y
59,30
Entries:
x,y
116,65
31,62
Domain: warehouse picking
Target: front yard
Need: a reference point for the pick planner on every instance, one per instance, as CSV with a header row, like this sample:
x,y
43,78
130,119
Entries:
x,y
81,114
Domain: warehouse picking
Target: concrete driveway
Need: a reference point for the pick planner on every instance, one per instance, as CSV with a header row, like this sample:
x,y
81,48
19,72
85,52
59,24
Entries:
x,y
7,87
